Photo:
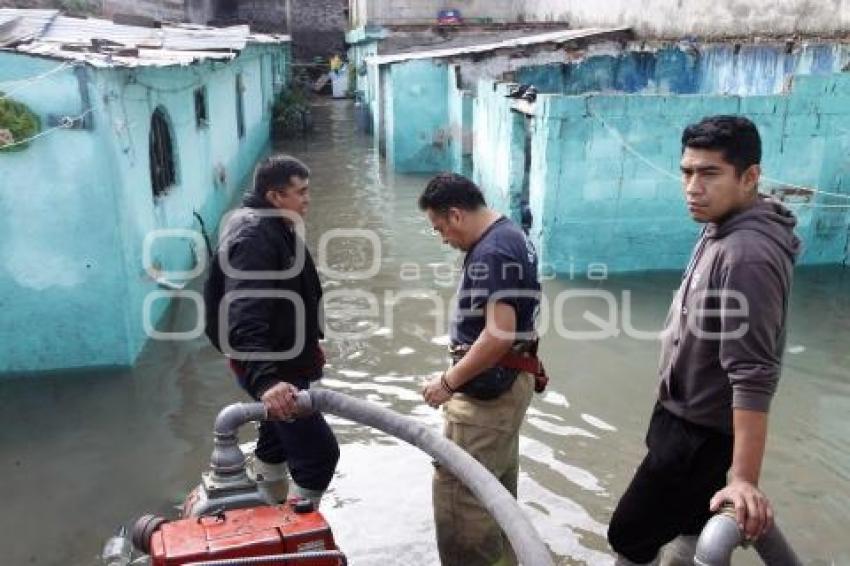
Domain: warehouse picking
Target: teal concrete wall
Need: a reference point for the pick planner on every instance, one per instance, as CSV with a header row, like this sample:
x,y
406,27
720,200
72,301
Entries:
x,y
722,68
63,291
461,126
363,43
417,129
76,282
604,185
498,143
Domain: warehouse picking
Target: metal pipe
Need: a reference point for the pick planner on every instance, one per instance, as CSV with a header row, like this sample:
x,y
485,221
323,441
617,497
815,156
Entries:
x,y
275,558
492,495
227,459
721,536
774,549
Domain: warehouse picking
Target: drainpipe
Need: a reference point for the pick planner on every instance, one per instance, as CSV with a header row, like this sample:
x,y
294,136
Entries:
x,y
84,119
721,536
287,6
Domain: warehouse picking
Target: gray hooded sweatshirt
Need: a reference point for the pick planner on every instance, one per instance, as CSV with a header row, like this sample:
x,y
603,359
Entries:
x,y
724,336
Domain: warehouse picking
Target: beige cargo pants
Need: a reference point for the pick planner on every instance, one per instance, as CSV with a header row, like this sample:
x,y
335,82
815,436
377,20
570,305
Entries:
x,y
489,431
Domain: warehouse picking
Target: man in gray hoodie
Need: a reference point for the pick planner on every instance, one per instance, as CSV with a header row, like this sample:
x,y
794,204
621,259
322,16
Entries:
x,y
721,354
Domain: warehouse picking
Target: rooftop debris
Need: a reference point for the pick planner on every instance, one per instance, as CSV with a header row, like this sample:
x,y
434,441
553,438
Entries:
x,y
103,43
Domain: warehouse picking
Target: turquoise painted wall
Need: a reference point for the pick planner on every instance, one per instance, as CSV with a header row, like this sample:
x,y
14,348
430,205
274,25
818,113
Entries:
x,y
363,43
461,126
92,193
745,70
499,148
604,184
63,292
416,126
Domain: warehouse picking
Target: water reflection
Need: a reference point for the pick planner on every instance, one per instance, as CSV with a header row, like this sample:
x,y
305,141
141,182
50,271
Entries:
x,y
84,453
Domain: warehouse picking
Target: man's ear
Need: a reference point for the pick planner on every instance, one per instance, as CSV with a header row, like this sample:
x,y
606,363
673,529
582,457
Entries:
x,y
751,177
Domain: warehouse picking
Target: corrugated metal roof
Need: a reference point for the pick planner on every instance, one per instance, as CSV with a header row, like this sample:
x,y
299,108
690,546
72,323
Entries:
x,y
23,25
99,42
75,31
555,37
142,58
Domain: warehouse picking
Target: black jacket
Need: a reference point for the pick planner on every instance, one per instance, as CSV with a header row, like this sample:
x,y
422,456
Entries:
x,y
285,321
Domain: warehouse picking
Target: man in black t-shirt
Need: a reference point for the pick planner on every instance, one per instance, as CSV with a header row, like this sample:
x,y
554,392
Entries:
x,y
485,393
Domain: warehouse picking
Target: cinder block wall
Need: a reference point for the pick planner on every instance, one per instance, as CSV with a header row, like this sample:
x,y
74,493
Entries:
x,y
604,185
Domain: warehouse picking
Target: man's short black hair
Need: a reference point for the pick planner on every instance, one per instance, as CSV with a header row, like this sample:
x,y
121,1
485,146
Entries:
x,y
276,172
450,190
737,137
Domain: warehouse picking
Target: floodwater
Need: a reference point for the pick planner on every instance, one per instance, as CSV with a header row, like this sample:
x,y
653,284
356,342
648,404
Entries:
x,y
83,453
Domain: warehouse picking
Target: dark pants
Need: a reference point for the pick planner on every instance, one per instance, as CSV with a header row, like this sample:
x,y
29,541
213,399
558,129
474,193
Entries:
x,y
670,492
307,445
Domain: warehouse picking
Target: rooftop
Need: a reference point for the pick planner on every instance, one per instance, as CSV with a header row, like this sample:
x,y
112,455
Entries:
x,y
474,44
103,43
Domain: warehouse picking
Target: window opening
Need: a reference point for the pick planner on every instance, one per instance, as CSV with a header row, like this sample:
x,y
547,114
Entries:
x,y
201,111
240,107
161,154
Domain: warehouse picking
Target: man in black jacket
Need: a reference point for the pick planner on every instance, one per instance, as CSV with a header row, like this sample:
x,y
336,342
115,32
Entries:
x,y
263,302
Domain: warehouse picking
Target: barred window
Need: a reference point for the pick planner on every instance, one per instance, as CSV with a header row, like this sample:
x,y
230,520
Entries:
x,y
161,154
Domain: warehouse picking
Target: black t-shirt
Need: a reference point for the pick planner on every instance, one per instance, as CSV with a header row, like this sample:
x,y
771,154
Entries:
x,y
501,266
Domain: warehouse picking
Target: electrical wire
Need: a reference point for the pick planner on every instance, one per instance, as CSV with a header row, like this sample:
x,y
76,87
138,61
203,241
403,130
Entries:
x,y
64,124
24,83
641,157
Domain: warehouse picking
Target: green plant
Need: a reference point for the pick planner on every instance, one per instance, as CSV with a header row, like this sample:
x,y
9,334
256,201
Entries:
x,y
291,114
17,122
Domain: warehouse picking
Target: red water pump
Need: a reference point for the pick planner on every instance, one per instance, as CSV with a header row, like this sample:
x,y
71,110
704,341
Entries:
x,y
231,518
290,533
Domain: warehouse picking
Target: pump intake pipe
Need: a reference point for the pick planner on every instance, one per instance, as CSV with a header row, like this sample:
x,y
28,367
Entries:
x,y
721,536
227,460
527,544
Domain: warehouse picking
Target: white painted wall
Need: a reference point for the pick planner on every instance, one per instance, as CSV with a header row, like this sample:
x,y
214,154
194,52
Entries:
x,y
667,18
698,17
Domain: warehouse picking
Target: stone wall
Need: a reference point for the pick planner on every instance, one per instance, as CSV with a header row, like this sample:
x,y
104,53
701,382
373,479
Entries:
x,y
318,27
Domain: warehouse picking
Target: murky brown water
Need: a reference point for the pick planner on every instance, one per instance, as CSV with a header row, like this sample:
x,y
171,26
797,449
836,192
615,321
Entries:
x,y
83,453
